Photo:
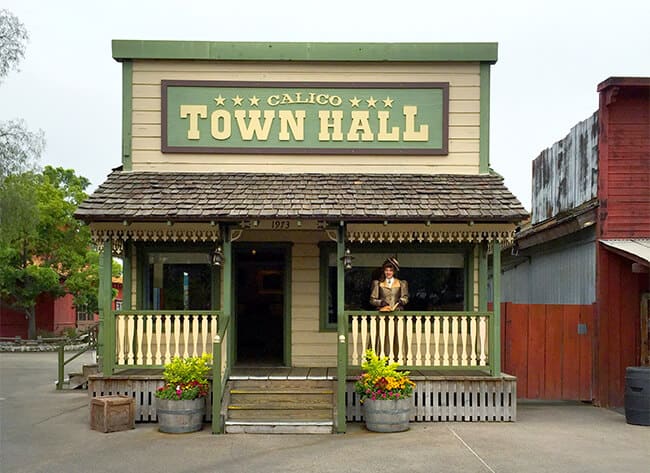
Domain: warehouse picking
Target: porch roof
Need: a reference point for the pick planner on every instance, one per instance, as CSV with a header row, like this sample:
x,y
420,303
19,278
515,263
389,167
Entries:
x,y
206,196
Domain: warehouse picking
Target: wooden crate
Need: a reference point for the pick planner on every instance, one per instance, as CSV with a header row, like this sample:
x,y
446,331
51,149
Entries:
x,y
112,413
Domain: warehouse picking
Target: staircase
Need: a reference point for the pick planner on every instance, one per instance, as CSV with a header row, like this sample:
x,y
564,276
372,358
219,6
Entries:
x,y
79,380
280,406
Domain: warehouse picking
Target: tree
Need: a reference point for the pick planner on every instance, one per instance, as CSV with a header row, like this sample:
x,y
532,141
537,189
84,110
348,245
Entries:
x,y
20,149
13,40
43,248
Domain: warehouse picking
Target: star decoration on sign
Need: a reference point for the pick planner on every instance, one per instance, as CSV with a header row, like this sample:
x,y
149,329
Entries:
x,y
255,101
355,101
372,102
237,100
220,100
388,102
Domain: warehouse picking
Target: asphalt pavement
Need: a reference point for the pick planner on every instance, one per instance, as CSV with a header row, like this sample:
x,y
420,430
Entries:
x,y
43,430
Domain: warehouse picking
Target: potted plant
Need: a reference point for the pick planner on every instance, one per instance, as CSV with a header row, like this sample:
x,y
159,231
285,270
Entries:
x,y
385,394
180,402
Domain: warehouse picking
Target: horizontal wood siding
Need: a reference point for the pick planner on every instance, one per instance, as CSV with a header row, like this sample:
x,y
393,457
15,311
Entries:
x,y
464,118
624,181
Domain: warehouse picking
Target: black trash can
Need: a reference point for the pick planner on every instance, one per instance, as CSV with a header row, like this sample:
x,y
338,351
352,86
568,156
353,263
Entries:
x,y
637,395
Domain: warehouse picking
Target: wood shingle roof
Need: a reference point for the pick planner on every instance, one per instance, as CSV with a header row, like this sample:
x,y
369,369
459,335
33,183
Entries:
x,y
206,196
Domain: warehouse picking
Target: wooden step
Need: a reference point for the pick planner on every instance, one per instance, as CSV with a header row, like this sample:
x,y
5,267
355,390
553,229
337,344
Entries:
x,y
279,427
280,406
304,415
289,384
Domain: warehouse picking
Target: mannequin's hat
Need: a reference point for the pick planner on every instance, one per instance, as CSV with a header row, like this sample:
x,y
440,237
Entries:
x,y
391,261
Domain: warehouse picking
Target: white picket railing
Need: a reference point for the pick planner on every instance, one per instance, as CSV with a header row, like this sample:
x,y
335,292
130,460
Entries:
x,y
153,338
421,339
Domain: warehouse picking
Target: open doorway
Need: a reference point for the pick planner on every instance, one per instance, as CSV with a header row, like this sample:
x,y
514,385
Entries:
x,y
260,304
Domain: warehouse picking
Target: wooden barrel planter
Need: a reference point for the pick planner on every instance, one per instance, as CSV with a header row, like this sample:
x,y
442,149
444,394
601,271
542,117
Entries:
x,y
179,417
387,415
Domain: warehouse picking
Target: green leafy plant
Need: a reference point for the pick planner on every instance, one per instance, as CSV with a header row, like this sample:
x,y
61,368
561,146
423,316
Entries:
x,y
186,378
381,380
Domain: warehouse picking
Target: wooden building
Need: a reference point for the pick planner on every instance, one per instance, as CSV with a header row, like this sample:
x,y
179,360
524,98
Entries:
x,y
263,184
576,281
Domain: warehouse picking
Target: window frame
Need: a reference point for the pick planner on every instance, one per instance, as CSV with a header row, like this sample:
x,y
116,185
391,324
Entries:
x,y
326,248
143,252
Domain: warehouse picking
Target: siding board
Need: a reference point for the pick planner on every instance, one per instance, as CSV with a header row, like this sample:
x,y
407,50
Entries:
x,y
464,119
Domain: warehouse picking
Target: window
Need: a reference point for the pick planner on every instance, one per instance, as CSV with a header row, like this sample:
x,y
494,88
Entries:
x,y
178,281
118,304
436,281
83,313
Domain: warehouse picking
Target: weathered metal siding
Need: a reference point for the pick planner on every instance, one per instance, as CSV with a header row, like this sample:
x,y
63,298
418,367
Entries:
x,y
553,274
566,174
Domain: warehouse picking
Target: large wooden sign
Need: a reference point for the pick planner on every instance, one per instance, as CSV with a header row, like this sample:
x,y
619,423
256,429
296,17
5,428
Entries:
x,y
303,118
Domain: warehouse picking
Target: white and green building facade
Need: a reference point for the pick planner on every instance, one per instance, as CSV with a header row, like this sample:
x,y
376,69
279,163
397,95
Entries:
x,y
262,185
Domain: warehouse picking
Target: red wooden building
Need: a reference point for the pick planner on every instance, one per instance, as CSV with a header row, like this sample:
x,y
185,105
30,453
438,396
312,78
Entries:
x,y
576,282
623,229
53,315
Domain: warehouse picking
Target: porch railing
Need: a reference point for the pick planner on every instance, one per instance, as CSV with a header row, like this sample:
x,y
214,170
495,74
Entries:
x,y
150,338
221,365
412,339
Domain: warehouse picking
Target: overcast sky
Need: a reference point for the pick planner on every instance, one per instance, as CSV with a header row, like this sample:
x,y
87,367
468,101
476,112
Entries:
x,y
552,54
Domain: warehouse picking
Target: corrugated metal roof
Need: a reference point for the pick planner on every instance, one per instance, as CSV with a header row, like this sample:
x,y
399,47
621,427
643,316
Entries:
x,y
636,247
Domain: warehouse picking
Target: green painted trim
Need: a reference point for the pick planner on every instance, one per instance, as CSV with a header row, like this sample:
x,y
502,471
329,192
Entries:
x,y
325,247
105,310
228,295
218,384
410,313
484,146
143,250
216,388
468,264
274,51
215,281
342,325
169,312
423,368
286,248
127,109
287,305
482,278
139,277
127,284
495,320
323,286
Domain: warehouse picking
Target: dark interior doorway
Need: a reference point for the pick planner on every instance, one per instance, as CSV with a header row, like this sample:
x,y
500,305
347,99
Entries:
x,y
260,305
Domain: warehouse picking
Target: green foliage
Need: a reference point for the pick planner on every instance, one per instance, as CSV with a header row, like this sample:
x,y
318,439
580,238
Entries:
x,y
381,380
43,248
186,378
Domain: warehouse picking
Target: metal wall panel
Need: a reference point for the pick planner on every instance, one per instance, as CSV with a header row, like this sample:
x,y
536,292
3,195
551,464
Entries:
x,y
560,275
566,174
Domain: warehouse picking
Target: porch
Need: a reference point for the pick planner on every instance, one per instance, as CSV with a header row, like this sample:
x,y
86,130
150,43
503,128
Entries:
x,y
439,396
448,354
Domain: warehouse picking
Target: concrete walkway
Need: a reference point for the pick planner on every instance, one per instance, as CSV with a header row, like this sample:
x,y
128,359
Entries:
x,y
42,430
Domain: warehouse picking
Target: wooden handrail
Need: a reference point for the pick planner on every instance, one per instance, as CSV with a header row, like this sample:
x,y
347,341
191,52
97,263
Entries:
x,y
424,339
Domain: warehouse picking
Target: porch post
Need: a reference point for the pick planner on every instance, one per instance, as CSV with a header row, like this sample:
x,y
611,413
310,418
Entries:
x,y
126,277
342,332
106,338
495,326
482,277
226,306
